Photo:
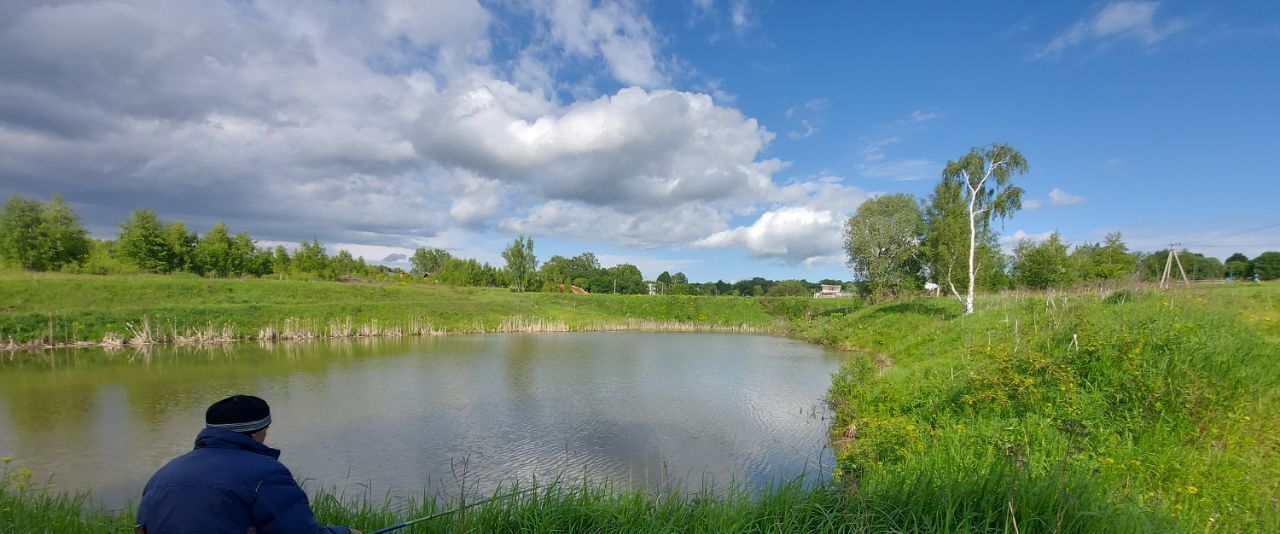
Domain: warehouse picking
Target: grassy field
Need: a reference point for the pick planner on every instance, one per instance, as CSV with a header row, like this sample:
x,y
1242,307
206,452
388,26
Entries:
x,y
1124,412
50,309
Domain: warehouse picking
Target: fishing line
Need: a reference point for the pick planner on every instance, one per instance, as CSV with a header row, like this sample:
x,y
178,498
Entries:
x,y
458,509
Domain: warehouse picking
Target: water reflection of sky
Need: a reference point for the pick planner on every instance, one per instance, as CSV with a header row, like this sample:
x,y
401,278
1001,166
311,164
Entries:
x,y
645,410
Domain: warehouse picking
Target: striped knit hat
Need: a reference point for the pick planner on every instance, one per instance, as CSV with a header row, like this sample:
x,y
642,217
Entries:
x,y
239,413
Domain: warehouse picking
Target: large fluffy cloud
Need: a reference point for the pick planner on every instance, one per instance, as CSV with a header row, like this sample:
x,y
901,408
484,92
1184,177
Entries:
x,y
795,235
632,150
384,122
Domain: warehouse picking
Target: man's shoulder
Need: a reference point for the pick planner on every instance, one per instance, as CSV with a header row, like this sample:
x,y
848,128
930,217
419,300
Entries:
x,y
215,464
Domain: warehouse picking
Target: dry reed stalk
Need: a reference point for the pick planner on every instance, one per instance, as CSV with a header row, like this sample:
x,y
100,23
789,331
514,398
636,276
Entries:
x,y
141,335
340,328
370,329
531,325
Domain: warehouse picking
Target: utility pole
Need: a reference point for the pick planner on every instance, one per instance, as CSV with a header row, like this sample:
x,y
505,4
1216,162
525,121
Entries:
x,y
1168,266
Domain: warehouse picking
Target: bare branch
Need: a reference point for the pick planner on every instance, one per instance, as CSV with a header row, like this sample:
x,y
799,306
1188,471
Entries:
x,y
952,285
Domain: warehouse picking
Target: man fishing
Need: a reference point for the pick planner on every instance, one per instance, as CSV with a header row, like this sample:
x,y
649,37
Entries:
x,y
231,482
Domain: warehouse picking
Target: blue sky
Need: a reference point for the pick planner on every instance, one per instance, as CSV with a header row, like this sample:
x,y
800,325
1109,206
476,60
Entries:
x,y
725,139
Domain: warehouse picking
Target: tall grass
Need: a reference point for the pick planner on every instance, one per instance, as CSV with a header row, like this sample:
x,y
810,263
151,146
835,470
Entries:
x,y
1163,402
787,506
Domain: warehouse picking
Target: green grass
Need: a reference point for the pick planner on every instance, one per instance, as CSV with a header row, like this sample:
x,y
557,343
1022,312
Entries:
x,y
1130,412
1163,402
789,506
85,308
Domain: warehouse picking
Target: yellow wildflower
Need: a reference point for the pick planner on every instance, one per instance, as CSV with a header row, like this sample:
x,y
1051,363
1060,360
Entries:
x,y
6,460
1192,490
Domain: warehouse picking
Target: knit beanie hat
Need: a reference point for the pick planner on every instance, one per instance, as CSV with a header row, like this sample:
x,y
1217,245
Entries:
x,y
239,413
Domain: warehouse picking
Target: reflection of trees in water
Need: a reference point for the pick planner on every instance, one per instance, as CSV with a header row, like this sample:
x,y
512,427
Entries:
x,y
58,389
32,411
158,381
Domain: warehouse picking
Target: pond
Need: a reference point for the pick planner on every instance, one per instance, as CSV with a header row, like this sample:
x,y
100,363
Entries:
x,y
415,415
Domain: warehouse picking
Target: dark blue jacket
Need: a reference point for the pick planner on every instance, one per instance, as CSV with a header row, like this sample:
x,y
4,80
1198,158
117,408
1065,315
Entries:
x,y
227,484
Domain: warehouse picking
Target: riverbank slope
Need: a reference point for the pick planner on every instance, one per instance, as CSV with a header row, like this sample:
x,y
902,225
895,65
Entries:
x,y
1164,403
53,309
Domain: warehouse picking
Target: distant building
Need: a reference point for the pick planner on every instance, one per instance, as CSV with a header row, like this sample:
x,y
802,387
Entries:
x,y
653,288
830,291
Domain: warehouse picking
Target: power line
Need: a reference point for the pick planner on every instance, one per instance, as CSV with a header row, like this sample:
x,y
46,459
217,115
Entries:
x,y
1246,232
1269,226
1229,246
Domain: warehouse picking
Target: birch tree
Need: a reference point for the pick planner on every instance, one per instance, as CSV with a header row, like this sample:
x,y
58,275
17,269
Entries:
x,y
986,177
521,263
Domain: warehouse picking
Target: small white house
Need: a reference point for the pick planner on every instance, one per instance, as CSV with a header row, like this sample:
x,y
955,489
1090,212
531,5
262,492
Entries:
x,y
830,291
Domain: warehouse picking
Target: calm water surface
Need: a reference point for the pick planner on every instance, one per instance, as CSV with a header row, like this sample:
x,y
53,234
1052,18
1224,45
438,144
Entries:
x,y
414,414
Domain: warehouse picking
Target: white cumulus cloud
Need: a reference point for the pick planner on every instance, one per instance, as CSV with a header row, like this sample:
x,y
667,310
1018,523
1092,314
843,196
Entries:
x,y
793,235
1062,198
1131,20
1011,240
632,150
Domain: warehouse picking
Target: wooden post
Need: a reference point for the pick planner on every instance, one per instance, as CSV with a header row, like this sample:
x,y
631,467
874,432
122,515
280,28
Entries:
x,y
1185,281
1168,264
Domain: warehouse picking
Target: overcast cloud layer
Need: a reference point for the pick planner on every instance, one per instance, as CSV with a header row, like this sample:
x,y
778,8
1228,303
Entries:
x,y
389,123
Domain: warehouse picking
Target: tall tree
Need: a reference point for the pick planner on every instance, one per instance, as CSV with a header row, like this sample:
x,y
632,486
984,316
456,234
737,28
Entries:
x,y
243,249
521,263
1267,265
343,263
65,239
310,257
182,246
627,279
19,224
280,261
142,242
1042,265
428,260
1239,266
40,236
986,175
1109,260
882,243
213,254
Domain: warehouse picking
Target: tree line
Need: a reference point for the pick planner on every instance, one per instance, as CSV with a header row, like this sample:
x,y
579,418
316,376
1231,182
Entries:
x,y
561,274
50,236
898,243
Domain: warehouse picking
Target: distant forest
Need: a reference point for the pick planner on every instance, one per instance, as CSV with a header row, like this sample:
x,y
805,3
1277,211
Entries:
x,y
49,236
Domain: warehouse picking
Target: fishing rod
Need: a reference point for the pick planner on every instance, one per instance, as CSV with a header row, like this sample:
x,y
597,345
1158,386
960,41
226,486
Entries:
x,y
458,509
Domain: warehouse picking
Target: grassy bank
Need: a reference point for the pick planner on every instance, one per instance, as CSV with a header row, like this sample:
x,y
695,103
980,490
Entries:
x,y
59,309
600,507
1164,403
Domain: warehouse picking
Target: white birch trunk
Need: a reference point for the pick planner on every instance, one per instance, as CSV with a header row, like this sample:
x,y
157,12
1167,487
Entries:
x,y
973,241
